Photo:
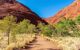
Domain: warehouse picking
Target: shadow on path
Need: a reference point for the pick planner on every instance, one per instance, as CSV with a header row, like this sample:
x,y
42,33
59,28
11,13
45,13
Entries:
x,y
39,43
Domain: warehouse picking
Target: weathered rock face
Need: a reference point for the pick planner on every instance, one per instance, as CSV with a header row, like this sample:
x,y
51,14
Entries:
x,y
7,1
12,7
71,11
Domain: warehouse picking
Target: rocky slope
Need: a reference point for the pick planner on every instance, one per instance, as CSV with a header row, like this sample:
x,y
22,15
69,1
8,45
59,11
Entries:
x,y
71,11
12,7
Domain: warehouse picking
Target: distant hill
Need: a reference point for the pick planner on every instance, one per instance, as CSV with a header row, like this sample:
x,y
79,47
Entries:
x,y
12,7
71,11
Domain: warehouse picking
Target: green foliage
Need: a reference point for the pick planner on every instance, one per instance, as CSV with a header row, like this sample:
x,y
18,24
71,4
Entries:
x,y
6,25
24,27
78,20
46,30
41,26
21,27
67,27
9,26
31,28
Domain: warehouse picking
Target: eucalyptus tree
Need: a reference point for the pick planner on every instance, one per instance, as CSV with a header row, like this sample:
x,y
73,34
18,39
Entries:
x,y
6,25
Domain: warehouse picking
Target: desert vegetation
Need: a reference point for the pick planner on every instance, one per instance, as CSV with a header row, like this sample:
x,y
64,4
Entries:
x,y
14,34
64,28
65,34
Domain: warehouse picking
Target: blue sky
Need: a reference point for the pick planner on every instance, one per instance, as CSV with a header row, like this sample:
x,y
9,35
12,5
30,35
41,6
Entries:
x,y
46,8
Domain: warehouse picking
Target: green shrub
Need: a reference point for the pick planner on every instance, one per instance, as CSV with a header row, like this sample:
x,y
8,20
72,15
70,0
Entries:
x,y
25,27
46,30
6,25
67,27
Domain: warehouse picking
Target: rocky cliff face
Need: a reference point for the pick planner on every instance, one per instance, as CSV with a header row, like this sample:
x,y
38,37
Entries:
x,y
71,11
12,7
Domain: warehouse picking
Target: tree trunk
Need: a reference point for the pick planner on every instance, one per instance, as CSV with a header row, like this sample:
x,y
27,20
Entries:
x,y
8,34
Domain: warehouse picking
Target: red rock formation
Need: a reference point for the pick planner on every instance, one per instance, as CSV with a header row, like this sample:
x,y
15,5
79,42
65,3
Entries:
x,y
12,7
71,11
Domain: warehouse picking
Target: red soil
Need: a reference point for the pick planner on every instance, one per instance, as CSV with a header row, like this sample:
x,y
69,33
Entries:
x,y
41,43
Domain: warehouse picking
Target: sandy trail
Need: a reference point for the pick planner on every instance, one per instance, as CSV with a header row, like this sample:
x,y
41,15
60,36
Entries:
x,y
41,43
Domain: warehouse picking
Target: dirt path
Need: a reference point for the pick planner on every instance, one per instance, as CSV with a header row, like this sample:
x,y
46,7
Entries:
x,y
41,44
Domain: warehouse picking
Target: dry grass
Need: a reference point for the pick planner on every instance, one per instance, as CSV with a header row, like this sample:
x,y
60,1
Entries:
x,y
20,41
67,43
3,41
